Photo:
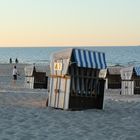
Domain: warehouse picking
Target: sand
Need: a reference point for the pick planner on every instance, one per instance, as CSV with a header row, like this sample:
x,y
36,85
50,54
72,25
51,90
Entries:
x,y
23,115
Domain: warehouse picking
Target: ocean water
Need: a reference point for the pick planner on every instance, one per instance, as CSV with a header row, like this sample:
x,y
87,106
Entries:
x,y
114,55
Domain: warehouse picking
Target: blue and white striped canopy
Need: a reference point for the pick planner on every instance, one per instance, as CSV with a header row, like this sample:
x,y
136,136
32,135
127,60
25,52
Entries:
x,y
137,70
89,59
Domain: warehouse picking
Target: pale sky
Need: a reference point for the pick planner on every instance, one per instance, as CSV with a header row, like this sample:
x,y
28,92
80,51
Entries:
x,y
69,23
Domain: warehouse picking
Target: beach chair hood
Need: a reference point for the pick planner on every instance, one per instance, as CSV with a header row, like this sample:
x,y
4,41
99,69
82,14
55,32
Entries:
x,y
137,71
127,73
82,58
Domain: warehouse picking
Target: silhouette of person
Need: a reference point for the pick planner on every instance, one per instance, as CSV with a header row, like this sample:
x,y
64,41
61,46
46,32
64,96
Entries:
x,y
16,61
10,60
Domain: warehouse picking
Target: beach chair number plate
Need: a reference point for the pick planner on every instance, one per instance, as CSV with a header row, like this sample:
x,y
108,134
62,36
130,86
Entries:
x,y
57,66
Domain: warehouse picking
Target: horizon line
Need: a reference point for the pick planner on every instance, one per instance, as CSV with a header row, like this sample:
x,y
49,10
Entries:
x,y
69,46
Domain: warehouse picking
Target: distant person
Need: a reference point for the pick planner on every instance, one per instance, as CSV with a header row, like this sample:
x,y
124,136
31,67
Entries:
x,y
16,61
10,60
15,73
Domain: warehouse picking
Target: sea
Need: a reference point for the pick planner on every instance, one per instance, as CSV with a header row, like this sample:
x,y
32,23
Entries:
x,y
115,55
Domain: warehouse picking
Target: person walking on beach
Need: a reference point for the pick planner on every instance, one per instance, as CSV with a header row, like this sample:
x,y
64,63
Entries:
x,y
15,73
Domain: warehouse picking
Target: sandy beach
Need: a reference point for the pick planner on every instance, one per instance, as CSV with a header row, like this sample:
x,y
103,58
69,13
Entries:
x,y
23,115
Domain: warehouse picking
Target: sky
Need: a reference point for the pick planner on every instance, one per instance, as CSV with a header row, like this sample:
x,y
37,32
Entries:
x,y
46,23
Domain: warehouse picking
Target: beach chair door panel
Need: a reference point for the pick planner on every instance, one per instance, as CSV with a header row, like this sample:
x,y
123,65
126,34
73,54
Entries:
x,y
124,88
52,92
127,87
63,93
130,88
59,92
29,82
